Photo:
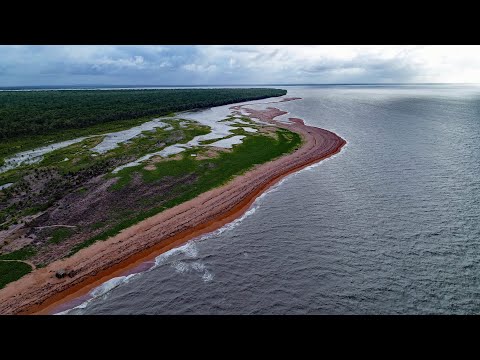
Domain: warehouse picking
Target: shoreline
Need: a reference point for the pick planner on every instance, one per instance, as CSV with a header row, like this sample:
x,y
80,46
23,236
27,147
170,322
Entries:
x,y
41,293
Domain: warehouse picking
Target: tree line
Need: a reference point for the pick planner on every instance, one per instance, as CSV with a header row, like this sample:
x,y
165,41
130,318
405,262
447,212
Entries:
x,y
27,113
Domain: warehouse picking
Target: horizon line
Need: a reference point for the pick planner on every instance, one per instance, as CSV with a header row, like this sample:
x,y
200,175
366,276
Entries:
x,y
223,85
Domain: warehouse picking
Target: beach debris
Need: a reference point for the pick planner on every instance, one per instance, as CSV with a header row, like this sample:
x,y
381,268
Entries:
x,y
60,273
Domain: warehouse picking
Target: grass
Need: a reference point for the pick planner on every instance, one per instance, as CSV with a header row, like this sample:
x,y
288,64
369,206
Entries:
x,y
35,209
12,271
60,234
10,147
97,225
256,149
23,254
189,133
211,141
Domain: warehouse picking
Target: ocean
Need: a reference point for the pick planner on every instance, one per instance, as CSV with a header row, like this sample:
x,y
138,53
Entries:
x,y
390,225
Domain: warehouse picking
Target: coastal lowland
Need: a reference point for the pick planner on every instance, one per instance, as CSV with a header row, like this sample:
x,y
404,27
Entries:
x,y
94,182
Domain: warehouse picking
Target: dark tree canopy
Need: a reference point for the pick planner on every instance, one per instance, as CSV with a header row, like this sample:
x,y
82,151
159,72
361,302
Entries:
x,y
27,113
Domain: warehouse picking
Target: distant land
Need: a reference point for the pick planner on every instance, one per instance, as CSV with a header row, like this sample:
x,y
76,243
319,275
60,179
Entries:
x,y
144,86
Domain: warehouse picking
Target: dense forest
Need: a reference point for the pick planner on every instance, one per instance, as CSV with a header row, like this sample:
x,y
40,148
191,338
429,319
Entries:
x,y
27,113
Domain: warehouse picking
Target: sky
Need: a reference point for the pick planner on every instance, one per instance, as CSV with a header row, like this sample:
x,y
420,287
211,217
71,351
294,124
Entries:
x,y
37,65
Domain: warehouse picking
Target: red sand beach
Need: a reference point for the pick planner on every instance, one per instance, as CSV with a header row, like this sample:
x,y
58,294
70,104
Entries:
x,y
40,291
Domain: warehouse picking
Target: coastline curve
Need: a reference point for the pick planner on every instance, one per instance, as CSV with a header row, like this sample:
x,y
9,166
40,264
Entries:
x,y
40,292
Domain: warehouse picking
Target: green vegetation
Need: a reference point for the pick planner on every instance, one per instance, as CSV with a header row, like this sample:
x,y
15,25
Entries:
x,y
242,118
22,143
60,234
211,173
65,169
22,254
11,271
32,118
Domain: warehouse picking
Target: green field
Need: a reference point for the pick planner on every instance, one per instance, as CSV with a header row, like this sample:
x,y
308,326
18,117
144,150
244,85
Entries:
x,y
22,254
11,271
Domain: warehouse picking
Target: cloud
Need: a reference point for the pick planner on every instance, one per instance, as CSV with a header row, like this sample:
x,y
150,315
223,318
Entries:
x,y
134,61
364,67
235,64
199,67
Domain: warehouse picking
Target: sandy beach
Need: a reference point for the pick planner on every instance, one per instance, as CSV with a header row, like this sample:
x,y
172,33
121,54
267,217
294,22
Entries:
x,y
40,291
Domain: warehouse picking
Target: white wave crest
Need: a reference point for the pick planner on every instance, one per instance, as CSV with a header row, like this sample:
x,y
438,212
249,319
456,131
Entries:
x,y
198,266
190,250
101,290
108,285
207,276
180,266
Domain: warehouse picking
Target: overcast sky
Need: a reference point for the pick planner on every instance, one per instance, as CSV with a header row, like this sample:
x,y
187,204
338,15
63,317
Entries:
x,y
259,64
